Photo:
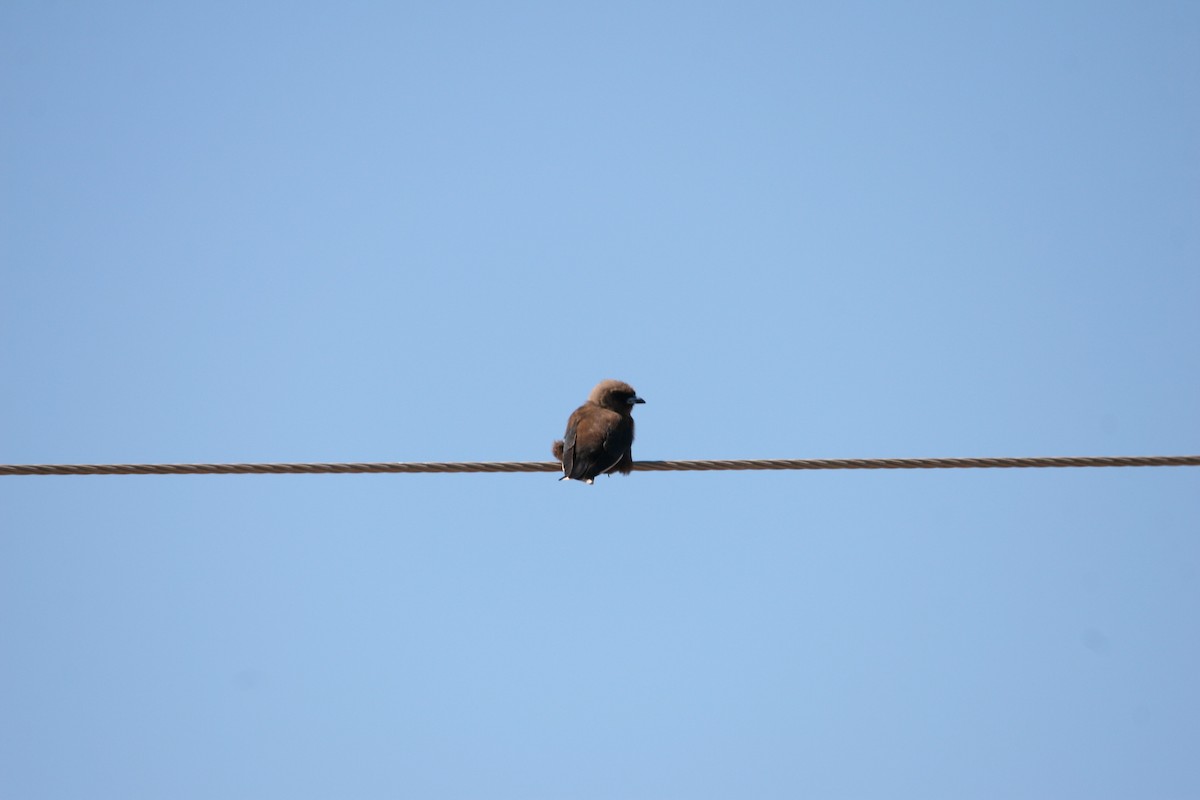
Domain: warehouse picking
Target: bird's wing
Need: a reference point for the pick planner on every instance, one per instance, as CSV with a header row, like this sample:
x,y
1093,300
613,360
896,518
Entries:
x,y
568,449
617,444
587,430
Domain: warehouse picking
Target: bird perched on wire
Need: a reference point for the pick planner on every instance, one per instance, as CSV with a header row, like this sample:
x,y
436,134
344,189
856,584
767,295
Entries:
x,y
599,437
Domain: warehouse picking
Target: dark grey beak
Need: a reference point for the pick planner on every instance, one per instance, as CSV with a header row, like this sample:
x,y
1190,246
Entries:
x,y
633,400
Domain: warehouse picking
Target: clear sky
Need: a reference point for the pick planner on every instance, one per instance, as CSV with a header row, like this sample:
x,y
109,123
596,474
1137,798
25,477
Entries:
x,y
422,232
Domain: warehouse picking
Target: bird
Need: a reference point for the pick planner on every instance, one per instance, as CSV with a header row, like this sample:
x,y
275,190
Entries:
x,y
599,437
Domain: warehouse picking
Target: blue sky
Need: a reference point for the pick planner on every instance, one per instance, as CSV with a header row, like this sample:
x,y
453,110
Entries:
x,y
400,232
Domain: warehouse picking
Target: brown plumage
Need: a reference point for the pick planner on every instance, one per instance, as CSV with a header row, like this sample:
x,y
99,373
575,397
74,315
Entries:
x,y
599,437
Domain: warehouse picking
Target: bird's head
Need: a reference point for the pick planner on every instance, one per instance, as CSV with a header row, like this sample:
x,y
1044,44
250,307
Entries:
x,y
615,395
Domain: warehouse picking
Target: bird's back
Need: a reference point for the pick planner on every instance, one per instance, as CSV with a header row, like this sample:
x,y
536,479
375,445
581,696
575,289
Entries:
x,y
597,441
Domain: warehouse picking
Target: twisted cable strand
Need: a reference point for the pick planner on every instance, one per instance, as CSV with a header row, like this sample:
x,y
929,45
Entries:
x,y
642,466
921,463
274,469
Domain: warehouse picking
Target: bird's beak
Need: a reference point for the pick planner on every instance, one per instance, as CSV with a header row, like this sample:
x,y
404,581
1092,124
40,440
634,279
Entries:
x,y
633,400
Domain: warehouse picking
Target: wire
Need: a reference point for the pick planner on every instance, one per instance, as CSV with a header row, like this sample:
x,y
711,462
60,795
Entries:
x,y
644,466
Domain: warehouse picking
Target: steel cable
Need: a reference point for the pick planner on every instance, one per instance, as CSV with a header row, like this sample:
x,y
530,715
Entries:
x,y
642,466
